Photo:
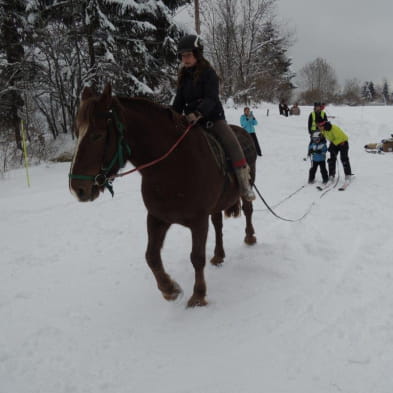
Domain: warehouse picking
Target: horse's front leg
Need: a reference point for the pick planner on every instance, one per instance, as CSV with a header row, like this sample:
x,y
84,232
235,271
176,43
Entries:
x,y
250,233
156,230
198,258
219,253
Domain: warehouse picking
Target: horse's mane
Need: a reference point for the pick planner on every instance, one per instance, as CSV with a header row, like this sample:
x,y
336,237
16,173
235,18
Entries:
x,y
142,105
149,107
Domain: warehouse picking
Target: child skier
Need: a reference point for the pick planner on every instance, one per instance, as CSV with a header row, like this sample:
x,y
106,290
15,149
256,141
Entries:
x,y
317,150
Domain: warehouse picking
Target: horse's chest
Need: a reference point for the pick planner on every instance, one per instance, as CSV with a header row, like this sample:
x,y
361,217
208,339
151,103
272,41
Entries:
x,y
173,201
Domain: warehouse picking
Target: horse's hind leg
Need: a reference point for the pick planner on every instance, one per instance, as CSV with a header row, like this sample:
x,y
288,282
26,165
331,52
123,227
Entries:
x,y
250,233
219,253
157,230
198,258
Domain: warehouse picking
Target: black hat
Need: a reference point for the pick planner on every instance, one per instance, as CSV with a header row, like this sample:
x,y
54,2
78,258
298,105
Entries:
x,y
317,104
190,43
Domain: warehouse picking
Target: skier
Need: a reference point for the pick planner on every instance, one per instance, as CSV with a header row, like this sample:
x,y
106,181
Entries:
x,y
338,144
317,150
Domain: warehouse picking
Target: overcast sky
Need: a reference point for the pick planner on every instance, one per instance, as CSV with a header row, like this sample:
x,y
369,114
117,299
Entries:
x,y
354,36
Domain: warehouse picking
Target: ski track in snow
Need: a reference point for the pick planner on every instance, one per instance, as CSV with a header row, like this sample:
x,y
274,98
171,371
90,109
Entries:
x,y
308,309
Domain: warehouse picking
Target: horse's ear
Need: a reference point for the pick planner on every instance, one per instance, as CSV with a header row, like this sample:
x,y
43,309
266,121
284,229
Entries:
x,y
87,92
107,95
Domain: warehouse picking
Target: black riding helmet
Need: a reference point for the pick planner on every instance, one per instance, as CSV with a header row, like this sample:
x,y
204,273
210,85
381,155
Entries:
x,y
190,43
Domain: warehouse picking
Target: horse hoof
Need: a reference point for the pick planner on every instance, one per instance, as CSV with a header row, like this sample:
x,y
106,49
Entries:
x,y
196,302
250,240
174,293
217,261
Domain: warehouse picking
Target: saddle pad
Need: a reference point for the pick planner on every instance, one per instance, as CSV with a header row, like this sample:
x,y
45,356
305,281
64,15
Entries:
x,y
223,161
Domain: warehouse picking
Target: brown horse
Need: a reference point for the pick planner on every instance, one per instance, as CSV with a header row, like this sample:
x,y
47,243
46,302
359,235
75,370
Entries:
x,y
185,188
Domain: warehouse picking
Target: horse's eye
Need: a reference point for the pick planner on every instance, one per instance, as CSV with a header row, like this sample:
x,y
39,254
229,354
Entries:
x,y
97,136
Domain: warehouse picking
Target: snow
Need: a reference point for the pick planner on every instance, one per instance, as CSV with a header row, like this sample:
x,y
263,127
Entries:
x,y
307,309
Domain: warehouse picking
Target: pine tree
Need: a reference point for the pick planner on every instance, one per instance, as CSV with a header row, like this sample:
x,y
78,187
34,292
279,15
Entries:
x,y
367,91
371,89
273,79
92,42
11,62
144,47
385,92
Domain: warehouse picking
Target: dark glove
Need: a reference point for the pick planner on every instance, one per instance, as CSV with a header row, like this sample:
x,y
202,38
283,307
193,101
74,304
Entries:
x,y
193,118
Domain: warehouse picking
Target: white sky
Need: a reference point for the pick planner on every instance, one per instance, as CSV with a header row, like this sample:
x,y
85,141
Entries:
x,y
354,36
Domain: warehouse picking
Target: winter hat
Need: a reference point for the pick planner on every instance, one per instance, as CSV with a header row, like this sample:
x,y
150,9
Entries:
x,y
326,125
316,135
190,43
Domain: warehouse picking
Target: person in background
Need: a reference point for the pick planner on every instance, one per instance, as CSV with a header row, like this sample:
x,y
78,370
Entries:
x,y
197,97
316,116
338,144
317,151
295,110
283,108
248,122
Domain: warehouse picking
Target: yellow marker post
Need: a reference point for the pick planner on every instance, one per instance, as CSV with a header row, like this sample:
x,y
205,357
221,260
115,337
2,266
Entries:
x,y
24,146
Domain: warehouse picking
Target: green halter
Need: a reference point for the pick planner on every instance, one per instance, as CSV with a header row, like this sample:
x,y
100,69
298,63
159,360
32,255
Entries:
x,y
122,150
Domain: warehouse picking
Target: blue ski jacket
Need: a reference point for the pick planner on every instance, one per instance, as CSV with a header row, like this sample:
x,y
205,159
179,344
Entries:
x,y
248,123
317,151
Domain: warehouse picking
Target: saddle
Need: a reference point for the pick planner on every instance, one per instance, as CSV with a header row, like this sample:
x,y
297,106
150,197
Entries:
x,y
222,159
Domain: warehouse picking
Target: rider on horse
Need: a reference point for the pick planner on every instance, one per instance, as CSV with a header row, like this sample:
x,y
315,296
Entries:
x,y
197,97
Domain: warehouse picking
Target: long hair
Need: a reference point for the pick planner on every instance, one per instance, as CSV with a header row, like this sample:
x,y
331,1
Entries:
x,y
201,65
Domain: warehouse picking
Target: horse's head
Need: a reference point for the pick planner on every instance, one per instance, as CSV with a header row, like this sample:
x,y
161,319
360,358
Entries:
x,y
95,142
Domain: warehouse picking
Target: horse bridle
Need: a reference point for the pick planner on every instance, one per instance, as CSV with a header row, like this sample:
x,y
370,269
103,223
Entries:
x,y
102,179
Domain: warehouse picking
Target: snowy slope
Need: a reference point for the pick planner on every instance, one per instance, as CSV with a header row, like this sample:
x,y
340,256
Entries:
x,y
308,309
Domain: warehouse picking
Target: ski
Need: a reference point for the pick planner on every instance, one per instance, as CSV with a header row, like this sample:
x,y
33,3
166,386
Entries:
x,y
345,184
332,183
325,189
325,186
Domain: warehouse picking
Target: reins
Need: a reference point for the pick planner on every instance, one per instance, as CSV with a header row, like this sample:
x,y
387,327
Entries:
x,y
151,163
283,218
291,195
102,178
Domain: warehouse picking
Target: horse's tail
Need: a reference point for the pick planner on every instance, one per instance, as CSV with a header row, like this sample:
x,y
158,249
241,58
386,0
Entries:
x,y
234,210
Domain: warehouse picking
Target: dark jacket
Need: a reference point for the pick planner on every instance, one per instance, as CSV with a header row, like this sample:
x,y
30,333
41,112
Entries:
x,y
200,96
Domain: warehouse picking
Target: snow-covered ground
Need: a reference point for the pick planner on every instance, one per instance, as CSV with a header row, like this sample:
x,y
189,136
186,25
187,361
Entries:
x,y
308,309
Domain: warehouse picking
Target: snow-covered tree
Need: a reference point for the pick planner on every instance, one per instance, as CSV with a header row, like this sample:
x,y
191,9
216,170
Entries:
x,y
273,73
90,42
385,92
246,48
368,91
11,66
